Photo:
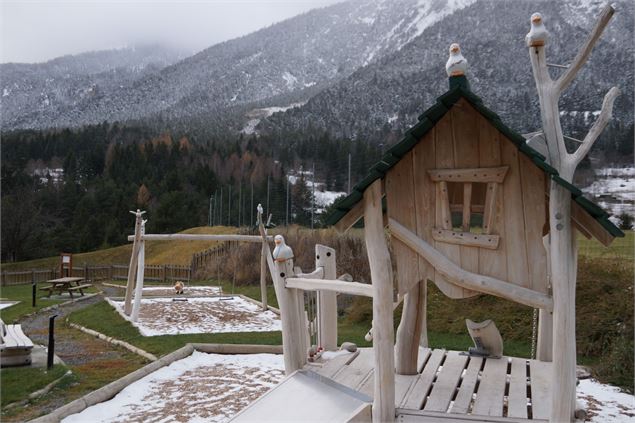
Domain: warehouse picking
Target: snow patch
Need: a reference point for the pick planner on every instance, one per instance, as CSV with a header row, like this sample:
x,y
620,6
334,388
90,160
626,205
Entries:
x,y
614,189
257,114
605,403
290,80
201,387
163,316
8,304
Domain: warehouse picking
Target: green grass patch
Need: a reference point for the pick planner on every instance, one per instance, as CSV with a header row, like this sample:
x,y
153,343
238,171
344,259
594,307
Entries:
x,y
19,382
620,248
23,293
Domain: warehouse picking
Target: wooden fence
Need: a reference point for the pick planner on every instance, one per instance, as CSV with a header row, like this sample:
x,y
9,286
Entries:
x,y
199,260
157,273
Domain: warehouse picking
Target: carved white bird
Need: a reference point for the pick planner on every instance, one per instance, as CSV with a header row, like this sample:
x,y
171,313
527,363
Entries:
x,y
538,34
259,208
282,252
457,64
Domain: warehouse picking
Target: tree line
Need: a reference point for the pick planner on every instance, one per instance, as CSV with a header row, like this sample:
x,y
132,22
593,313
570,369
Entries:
x,y
109,169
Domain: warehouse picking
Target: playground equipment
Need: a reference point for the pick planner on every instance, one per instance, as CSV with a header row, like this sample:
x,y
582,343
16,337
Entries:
x,y
472,208
137,260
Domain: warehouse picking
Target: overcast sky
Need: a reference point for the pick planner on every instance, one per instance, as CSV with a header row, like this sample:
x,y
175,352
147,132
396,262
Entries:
x,y
36,31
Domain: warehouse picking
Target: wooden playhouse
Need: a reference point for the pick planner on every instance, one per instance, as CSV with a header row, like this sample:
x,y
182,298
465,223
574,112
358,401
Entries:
x,y
465,202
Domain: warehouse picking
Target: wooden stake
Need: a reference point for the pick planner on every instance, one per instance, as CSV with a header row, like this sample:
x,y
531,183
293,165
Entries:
x,y
326,301
383,332
140,274
132,268
263,277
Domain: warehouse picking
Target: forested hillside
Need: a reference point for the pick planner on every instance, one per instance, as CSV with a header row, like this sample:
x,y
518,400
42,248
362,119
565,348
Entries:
x,y
71,190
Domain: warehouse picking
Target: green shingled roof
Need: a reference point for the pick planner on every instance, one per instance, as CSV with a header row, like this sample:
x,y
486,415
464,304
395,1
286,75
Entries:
x,y
459,88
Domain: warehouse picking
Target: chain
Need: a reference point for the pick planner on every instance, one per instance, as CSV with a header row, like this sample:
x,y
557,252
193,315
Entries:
x,y
534,334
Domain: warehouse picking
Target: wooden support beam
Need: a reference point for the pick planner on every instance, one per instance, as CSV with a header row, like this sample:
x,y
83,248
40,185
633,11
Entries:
x,y
201,237
489,212
350,218
383,330
484,174
132,267
263,276
458,276
468,239
325,263
467,206
140,275
331,285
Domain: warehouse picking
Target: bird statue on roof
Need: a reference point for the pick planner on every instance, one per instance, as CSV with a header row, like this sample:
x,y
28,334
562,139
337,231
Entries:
x,y
538,34
282,252
457,64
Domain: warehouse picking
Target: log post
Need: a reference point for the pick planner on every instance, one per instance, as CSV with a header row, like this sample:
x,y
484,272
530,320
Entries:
x,y
263,277
413,321
133,261
563,253
140,274
544,347
326,301
382,280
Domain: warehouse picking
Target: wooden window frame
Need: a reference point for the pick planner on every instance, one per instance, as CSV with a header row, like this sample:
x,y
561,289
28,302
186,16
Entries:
x,y
493,177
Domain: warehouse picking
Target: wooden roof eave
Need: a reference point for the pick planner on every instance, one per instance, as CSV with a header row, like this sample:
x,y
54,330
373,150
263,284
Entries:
x,y
357,212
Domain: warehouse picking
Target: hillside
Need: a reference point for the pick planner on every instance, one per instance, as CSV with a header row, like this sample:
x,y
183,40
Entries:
x,y
156,252
386,96
296,57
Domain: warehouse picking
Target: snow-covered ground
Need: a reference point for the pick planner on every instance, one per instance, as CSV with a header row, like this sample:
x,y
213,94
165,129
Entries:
x,y
163,316
605,403
323,198
199,388
256,115
614,190
7,304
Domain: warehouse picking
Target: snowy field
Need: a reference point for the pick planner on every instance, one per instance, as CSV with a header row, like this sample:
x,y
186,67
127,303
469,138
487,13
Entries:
x,y
614,190
200,388
162,316
605,403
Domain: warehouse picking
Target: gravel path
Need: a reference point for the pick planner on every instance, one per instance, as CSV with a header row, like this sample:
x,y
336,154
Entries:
x,y
71,350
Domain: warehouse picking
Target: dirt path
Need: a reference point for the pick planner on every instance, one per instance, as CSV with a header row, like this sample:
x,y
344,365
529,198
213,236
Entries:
x,y
94,363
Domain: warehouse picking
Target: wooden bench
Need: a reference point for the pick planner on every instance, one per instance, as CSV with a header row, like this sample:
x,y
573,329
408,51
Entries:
x,y
79,288
15,346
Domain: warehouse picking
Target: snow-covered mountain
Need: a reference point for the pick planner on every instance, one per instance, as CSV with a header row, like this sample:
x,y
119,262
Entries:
x,y
301,55
362,68
387,96
30,92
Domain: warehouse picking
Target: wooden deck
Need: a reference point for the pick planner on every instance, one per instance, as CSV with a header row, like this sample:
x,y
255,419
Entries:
x,y
452,387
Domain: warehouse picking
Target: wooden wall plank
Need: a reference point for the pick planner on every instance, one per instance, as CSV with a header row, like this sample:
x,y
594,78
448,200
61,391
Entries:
x,y
535,204
400,193
423,158
515,240
466,155
492,262
444,157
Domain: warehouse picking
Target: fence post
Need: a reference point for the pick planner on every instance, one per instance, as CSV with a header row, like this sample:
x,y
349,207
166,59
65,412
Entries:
x,y
86,272
110,272
164,270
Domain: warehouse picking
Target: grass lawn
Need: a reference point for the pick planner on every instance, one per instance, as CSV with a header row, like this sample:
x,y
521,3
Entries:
x,y
621,247
19,382
23,293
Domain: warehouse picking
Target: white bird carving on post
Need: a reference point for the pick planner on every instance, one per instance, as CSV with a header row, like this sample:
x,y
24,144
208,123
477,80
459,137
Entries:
x,y
538,34
457,64
282,252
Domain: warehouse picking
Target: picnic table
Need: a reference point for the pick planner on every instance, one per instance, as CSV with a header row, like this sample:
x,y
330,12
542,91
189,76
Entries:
x,y
67,284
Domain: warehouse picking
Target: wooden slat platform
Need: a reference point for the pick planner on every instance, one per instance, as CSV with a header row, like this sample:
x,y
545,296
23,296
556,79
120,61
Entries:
x,y
451,387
